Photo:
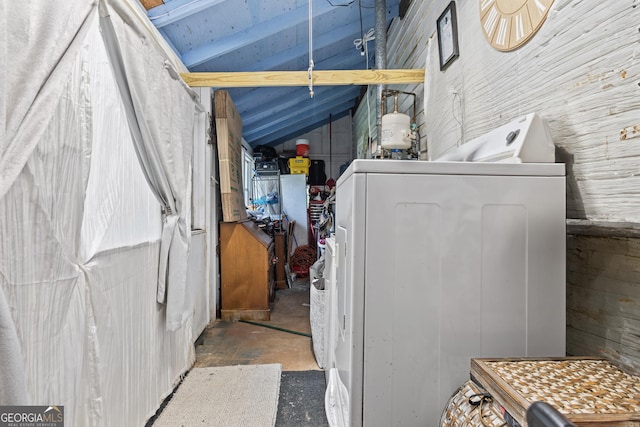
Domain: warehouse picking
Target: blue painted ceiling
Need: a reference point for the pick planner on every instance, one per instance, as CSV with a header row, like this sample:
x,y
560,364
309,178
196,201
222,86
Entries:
x,y
273,35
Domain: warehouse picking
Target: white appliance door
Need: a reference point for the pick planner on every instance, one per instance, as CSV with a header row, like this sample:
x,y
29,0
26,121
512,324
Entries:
x,y
293,191
332,302
457,266
346,348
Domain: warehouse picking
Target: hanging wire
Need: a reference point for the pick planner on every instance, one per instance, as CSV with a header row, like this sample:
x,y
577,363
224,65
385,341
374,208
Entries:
x,y
310,70
360,11
456,96
361,44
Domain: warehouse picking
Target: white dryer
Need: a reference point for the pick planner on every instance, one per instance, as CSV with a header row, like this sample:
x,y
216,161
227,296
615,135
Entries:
x,y
441,262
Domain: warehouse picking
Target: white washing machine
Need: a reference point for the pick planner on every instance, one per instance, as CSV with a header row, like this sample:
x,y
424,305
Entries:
x,y
441,262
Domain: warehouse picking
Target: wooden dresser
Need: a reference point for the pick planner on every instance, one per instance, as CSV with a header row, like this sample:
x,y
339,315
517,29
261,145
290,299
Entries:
x,y
247,263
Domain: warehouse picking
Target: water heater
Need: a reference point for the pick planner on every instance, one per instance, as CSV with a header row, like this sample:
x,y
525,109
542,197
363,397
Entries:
x,y
396,131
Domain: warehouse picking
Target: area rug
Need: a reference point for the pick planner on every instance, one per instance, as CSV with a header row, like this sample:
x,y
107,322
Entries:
x,y
243,395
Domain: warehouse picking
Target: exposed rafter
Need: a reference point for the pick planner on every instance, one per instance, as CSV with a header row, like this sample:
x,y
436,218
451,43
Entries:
x,y
301,78
252,95
264,98
320,116
262,128
169,42
294,99
253,34
176,10
346,33
150,4
259,51
307,127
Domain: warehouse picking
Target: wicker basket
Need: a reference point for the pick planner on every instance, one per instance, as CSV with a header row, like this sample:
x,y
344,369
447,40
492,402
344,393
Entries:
x,y
588,391
459,411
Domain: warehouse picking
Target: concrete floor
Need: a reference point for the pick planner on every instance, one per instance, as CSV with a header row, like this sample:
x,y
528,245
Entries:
x,y
302,386
239,343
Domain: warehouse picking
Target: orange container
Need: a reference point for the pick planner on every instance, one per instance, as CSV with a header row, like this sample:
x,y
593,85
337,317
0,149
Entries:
x,y
302,147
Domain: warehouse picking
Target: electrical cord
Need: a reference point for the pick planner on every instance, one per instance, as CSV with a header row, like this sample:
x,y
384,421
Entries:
x,y
311,65
277,328
418,144
479,400
361,44
361,27
456,95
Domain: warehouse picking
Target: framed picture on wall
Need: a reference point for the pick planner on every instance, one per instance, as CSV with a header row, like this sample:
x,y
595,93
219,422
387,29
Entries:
x,y
447,25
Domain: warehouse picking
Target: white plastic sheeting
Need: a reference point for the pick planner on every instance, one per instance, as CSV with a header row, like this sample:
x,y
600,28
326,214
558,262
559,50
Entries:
x,y
42,40
318,319
158,133
336,400
80,228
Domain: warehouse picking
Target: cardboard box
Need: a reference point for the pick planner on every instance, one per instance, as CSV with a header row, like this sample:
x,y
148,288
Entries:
x,y
229,144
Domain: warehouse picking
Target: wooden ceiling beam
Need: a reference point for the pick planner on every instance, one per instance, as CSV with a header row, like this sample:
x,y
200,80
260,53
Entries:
x,y
301,78
150,4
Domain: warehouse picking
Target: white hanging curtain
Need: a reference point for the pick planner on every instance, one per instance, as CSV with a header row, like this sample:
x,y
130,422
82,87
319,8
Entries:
x,y
80,227
13,387
12,380
42,41
158,135
39,42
